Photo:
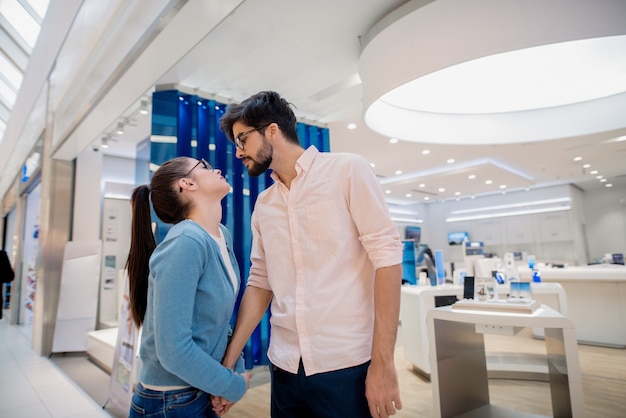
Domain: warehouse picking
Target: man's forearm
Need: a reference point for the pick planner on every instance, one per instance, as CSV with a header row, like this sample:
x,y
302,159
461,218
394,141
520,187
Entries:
x,y
387,311
253,306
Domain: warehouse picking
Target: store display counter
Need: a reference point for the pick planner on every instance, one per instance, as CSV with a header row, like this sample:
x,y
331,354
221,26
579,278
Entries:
x,y
596,301
101,347
416,301
459,362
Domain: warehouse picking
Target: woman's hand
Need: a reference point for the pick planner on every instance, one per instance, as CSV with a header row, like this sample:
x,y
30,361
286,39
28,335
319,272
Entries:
x,y
221,405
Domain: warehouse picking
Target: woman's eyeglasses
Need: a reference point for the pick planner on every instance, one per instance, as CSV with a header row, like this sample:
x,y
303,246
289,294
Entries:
x,y
204,163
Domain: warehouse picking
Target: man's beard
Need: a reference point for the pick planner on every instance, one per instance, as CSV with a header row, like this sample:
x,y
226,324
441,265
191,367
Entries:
x,y
263,160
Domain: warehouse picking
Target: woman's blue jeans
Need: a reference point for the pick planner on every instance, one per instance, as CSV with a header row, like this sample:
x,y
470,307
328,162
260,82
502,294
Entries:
x,y
182,403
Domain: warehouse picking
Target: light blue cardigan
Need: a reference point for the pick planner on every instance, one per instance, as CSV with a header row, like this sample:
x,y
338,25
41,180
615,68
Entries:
x,y
190,303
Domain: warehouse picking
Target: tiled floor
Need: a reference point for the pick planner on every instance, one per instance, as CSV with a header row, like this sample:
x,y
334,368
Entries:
x,y
33,386
72,386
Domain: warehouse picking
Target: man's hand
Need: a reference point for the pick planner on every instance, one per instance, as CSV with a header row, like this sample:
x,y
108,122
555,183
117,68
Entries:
x,y
221,405
382,390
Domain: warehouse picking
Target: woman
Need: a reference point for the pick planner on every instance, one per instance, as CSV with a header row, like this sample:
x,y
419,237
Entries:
x,y
183,293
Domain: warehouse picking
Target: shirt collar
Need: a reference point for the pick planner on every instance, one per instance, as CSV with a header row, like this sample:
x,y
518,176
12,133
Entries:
x,y
303,163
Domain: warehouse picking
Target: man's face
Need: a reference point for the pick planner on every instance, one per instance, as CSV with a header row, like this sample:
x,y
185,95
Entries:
x,y
255,150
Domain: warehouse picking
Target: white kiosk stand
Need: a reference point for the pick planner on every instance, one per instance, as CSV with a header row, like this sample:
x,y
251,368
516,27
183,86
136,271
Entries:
x,y
459,366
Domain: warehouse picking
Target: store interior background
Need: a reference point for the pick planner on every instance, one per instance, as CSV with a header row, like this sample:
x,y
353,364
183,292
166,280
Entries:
x,y
95,65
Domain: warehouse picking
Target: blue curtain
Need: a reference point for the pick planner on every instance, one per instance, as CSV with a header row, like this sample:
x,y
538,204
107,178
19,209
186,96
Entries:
x,y
188,125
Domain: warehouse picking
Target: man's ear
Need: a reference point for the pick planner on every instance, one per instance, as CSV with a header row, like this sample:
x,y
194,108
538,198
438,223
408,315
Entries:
x,y
273,129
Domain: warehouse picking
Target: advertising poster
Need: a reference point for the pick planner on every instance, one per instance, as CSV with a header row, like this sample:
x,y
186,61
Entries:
x,y
125,361
29,256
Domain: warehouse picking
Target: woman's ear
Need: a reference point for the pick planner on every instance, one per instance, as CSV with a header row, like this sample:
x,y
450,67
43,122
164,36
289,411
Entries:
x,y
185,184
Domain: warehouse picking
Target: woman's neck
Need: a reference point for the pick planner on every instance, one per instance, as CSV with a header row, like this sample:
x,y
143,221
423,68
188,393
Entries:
x,y
208,218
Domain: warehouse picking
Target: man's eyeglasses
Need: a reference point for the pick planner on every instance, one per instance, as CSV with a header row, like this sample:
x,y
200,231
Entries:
x,y
240,140
204,163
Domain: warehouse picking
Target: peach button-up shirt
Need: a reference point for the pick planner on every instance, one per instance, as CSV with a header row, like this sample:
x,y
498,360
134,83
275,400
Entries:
x,y
316,246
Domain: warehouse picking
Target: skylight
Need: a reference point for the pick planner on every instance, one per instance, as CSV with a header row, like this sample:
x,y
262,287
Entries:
x,y
20,24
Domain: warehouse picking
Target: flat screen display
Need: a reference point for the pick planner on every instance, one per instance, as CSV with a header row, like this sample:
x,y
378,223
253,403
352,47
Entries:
x,y
457,238
414,233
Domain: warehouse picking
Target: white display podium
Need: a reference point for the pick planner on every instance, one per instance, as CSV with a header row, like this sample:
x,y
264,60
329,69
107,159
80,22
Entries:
x,y
416,301
596,299
459,365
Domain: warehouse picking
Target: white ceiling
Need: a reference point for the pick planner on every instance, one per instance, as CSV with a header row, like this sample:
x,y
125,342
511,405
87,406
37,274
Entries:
x,y
309,52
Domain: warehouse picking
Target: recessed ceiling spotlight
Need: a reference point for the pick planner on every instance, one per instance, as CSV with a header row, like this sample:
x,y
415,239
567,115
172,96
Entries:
x,y
471,176
608,185
441,190
602,180
503,186
372,165
457,193
393,140
143,107
450,160
599,177
425,152
593,172
426,198
586,165
422,185
578,158
488,182
620,138
409,195
387,191
352,126
398,172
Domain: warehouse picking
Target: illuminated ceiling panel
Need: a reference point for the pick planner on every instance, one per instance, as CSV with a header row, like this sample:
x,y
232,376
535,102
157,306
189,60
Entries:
x,y
20,23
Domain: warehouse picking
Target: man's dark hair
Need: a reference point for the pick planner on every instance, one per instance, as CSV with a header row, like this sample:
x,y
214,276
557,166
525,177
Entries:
x,y
262,109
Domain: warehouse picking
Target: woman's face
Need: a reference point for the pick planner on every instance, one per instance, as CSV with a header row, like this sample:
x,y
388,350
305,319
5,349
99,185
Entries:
x,y
208,179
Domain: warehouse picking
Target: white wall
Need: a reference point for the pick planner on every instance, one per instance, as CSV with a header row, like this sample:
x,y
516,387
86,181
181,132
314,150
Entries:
x,y
596,224
87,196
605,211
513,233
93,171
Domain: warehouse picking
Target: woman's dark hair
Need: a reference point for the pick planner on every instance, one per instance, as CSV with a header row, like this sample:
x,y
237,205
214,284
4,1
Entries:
x,y
260,110
170,207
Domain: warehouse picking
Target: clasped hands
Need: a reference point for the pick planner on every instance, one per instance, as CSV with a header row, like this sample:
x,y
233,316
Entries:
x,y
221,405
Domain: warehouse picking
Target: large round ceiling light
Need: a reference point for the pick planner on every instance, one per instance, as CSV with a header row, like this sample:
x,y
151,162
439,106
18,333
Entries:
x,y
496,71
527,79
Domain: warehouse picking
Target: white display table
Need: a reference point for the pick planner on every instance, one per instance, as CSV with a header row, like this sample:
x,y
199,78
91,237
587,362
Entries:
x,y
101,347
416,301
596,300
459,366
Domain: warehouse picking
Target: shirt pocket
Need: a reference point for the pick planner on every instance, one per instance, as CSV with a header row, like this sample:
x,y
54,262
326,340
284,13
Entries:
x,y
322,220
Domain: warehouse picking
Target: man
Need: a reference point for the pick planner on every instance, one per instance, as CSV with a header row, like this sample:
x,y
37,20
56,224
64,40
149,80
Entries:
x,y
327,256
